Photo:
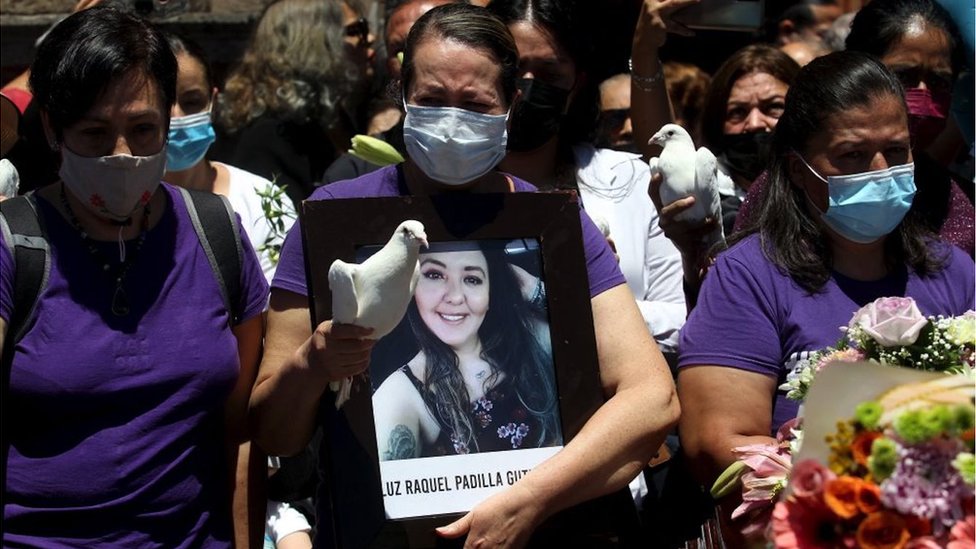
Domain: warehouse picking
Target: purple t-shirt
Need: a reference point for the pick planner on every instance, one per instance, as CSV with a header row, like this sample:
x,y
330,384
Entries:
x,y
116,438
752,316
601,265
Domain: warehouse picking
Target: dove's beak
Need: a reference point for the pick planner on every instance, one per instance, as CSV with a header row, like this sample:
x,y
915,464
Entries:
x,y
655,139
423,240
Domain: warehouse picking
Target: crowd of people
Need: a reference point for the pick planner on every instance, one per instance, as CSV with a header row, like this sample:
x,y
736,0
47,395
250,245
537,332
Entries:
x,y
164,386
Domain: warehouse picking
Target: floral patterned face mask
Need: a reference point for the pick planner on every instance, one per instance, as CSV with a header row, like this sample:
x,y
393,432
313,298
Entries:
x,y
112,187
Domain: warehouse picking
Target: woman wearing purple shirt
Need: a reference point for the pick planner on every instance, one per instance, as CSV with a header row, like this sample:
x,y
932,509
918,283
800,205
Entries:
x,y
458,83
835,233
127,398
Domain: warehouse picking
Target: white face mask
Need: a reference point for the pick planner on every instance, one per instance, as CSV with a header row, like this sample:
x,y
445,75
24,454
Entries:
x,y
112,186
454,146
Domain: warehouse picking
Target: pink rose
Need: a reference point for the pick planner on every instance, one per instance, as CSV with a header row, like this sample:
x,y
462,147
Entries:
x,y
890,321
963,534
808,479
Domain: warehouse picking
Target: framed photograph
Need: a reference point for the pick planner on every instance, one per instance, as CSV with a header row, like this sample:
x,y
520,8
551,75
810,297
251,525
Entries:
x,y
492,369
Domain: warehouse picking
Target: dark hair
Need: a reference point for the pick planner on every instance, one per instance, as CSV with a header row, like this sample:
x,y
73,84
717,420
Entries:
x,y
472,26
883,23
761,58
564,21
90,50
182,45
790,237
509,345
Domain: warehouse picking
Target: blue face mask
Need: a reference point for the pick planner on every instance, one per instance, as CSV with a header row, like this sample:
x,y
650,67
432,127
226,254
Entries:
x,y
866,206
189,139
454,146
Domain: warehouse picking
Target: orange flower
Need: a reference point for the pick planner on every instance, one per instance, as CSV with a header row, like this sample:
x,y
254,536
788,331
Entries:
x,y
840,496
861,448
868,497
882,530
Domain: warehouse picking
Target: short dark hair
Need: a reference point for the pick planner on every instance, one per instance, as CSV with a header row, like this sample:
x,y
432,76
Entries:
x,y
182,45
883,23
754,58
791,238
472,26
87,52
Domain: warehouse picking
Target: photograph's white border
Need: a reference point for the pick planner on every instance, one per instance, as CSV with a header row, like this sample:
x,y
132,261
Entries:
x,y
453,484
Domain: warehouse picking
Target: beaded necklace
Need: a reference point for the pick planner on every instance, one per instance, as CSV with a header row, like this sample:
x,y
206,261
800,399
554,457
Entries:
x,y
120,299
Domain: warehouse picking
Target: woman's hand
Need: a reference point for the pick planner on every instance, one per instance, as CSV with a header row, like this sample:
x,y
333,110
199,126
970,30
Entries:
x,y
338,351
653,24
650,107
688,236
506,519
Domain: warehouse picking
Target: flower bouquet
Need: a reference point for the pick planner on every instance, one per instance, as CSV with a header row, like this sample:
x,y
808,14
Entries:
x,y
889,331
898,474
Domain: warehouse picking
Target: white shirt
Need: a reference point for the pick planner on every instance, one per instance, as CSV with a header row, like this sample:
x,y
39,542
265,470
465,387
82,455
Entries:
x,y
243,196
613,187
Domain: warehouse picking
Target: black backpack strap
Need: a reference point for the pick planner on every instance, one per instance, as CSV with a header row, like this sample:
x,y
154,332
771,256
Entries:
x,y
24,236
215,222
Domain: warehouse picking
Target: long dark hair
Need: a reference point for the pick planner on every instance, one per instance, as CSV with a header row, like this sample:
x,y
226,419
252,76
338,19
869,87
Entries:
x,y
790,237
88,51
509,345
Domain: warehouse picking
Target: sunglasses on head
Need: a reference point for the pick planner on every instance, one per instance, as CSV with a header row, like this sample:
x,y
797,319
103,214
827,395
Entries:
x,y
358,28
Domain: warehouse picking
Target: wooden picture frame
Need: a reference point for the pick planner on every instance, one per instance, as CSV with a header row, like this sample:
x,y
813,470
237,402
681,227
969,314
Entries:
x,y
339,229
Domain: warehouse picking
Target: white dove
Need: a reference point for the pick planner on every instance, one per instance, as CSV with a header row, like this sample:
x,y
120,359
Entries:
x,y
686,172
375,293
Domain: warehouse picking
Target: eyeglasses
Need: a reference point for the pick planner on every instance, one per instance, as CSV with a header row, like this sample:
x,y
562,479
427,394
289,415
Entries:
x,y
358,29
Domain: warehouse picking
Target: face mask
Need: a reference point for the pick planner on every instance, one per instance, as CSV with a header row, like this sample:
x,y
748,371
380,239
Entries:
x,y
112,186
537,114
747,154
927,111
454,146
189,139
866,206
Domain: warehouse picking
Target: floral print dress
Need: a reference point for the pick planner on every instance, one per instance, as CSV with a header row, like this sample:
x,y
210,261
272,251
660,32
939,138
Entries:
x,y
499,419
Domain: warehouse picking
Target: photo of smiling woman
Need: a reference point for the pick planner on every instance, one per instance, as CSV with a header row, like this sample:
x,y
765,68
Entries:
x,y
481,378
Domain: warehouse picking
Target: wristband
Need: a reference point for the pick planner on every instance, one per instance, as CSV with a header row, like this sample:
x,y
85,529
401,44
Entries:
x,y
645,83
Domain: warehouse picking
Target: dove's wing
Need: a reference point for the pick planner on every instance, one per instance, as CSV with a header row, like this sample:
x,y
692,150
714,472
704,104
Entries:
x,y
342,282
706,180
706,183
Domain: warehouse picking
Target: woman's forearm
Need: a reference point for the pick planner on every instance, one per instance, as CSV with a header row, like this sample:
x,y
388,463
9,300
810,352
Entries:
x,y
622,436
284,406
610,450
297,366
650,107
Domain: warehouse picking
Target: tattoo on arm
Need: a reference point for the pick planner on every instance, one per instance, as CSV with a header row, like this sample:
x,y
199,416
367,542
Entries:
x,y
402,444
